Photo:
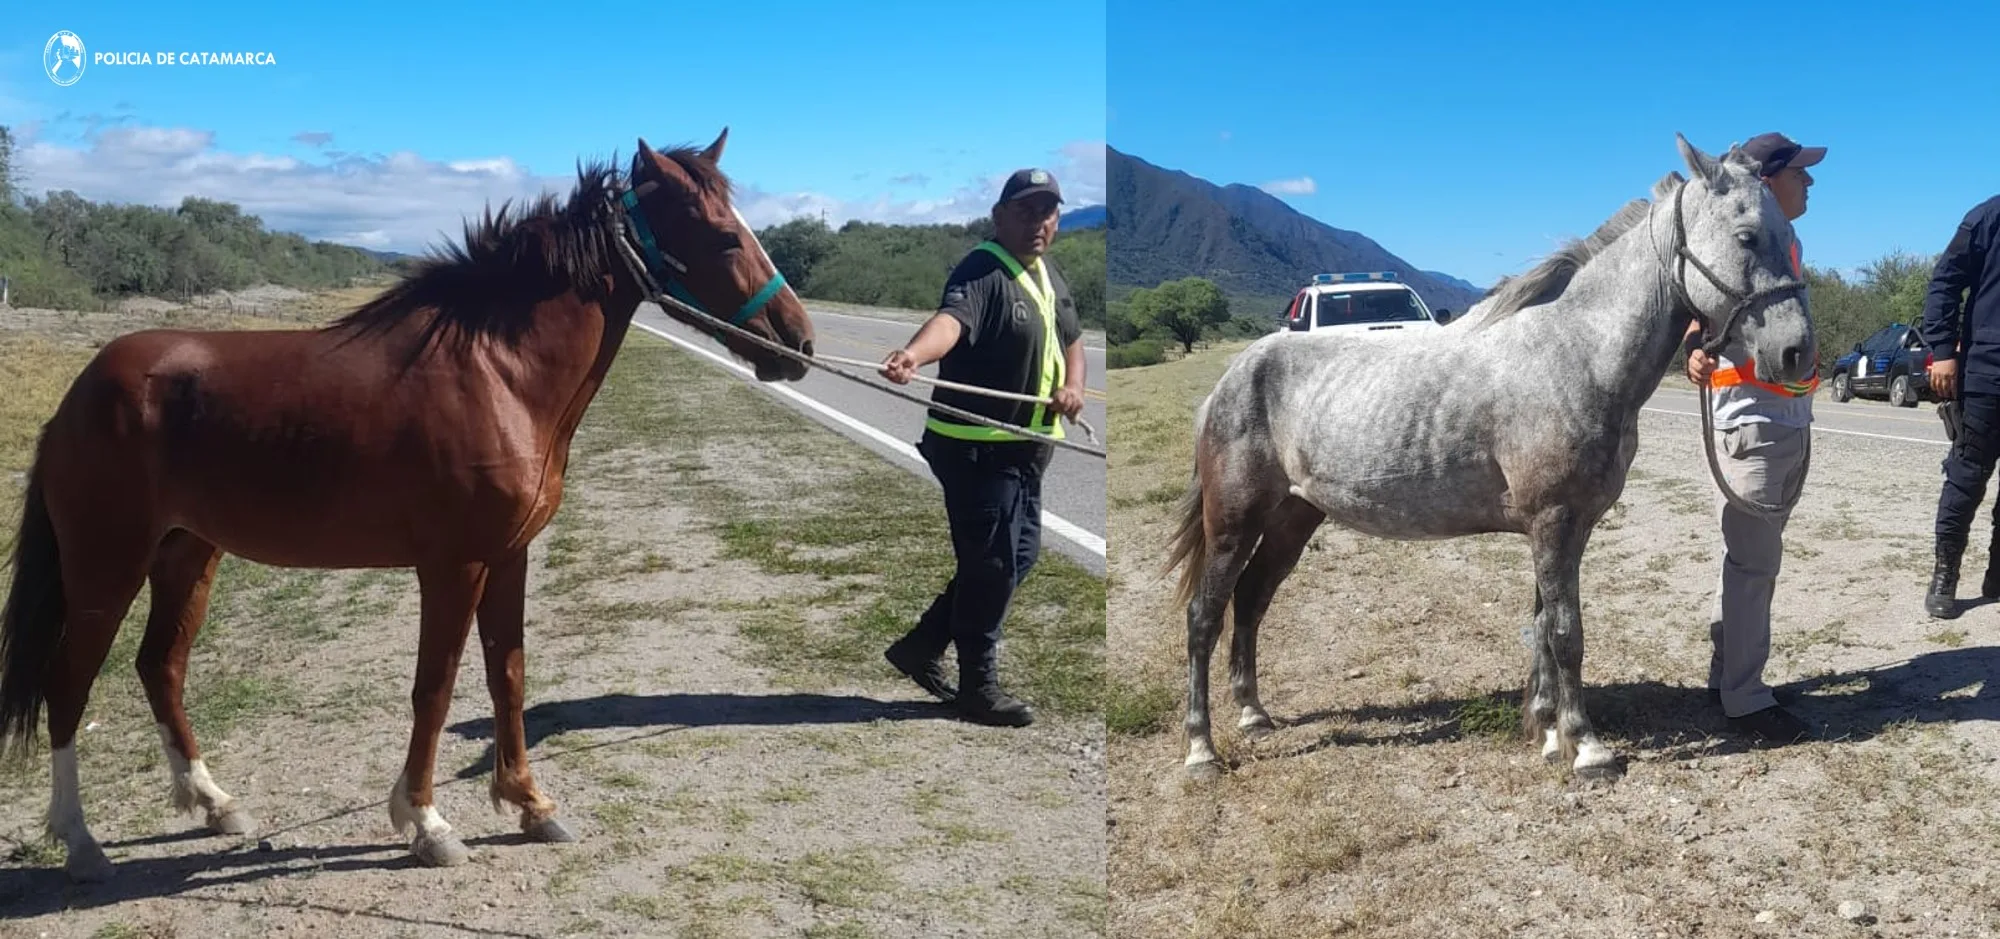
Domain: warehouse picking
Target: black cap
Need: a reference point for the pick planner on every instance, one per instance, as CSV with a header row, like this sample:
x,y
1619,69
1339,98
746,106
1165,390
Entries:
x,y
1775,151
1025,183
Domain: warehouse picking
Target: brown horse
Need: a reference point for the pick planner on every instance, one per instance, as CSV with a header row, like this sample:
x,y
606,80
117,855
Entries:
x,y
429,428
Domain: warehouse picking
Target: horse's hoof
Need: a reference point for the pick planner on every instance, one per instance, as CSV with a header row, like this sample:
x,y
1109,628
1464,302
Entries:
x,y
231,821
548,831
1204,772
88,865
1258,731
443,851
1600,772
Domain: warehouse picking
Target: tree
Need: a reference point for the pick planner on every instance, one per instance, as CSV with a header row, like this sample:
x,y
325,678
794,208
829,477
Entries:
x,y
1080,257
797,247
1119,328
63,216
1186,309
1900,280
8,184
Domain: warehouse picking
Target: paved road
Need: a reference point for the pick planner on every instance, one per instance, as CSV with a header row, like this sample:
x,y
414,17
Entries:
x,y
1857,418
1072,492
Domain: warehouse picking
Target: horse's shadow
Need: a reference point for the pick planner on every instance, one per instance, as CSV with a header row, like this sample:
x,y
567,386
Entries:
x,y
38,890
1673,722
668,713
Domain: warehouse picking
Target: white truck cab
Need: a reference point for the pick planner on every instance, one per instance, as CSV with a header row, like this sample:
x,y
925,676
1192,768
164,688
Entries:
x,y
1360,303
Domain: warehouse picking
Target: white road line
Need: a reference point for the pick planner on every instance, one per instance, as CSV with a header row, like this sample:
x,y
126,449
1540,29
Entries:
x,y
1830,407
1818,429
1056,523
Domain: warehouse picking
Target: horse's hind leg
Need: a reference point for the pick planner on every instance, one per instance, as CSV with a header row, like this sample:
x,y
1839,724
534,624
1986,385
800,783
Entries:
x,y
1233,518
1558,538
450,594
183,570
1286,531
501,611
99,584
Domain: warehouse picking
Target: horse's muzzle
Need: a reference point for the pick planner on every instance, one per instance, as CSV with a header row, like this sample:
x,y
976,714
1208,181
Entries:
x,y
776,367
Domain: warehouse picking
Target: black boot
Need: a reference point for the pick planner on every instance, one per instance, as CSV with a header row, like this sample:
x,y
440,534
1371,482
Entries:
x,y
980,698
1942,601
985,703
924,668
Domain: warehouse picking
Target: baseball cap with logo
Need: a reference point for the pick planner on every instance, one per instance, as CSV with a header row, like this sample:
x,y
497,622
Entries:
x,y
1776,151
1025,183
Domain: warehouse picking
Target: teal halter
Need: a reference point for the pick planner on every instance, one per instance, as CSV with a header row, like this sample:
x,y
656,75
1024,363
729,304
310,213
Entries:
x,y
657,261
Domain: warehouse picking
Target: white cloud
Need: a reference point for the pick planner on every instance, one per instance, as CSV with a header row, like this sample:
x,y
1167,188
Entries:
x,y
1078,167
405,201
399,201
377,239
502,166
1302,186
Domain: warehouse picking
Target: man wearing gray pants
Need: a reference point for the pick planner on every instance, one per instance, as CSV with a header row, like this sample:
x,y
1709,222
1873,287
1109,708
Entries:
x,y
1762,432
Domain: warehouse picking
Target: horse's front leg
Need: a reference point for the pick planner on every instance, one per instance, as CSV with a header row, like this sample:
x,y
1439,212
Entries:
x,y
1559,537
1538,710
450,594
501,612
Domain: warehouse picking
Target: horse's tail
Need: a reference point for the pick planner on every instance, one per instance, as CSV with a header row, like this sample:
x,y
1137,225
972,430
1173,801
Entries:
x,y
1189,543
31,624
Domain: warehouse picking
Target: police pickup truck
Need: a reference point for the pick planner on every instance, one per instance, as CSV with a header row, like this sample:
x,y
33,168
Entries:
x,y
1893,363
1354,303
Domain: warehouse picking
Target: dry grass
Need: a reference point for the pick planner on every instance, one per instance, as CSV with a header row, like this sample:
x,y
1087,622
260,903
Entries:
x,y
719,788
1398,798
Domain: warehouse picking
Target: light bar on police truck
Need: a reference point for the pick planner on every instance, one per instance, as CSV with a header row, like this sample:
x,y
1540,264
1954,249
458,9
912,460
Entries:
x,y
1335,278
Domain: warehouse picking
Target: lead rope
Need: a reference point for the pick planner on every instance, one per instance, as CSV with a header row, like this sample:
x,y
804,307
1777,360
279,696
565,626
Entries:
x,y
656,295
1765,512
1711,346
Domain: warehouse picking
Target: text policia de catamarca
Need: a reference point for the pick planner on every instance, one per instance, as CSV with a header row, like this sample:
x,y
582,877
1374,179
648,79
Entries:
x,y
183,58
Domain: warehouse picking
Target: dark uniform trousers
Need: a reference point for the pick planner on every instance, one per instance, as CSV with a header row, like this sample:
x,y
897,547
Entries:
x,y
1967,467
993,500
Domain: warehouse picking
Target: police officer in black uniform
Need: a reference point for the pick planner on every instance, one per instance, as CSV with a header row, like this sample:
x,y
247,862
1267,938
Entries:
x,y
1964,339
1006,322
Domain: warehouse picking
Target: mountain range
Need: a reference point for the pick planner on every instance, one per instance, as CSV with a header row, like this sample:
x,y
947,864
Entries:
x,y
1090,216
1170,224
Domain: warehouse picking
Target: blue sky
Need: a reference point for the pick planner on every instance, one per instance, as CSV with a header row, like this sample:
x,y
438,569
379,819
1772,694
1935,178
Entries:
x,y
1469,137
898,111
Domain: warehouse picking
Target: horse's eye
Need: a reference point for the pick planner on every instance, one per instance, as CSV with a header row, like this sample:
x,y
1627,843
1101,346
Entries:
x,y
1746,239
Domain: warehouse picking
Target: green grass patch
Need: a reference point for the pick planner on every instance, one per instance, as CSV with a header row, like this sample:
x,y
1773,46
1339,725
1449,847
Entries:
x,y
1491,716
1952,638
1139,706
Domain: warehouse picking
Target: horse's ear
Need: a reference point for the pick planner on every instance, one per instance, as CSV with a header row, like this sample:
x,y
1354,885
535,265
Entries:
x,y
1702,165
644,156
714,152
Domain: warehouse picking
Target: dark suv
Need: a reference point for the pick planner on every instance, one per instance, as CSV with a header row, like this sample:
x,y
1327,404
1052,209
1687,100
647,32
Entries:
x,y
1892,363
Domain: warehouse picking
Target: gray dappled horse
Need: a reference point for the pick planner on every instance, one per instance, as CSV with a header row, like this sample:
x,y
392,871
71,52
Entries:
x,y
1521,416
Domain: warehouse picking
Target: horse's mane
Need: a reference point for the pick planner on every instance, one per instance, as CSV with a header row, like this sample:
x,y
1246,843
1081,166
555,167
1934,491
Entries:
x,y
1547,281
488,286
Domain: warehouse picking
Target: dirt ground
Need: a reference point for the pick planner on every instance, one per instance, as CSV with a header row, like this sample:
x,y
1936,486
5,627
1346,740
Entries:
x,y
1397,798
707,704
